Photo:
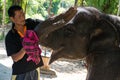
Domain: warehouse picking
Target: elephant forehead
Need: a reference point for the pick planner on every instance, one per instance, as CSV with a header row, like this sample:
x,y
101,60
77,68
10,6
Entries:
x,y
79,9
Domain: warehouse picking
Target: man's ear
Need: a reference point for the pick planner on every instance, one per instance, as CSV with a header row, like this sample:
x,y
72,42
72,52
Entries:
x,y
12,19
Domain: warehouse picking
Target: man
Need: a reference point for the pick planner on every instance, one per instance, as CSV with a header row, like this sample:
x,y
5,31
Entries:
x,y
21,68
25,66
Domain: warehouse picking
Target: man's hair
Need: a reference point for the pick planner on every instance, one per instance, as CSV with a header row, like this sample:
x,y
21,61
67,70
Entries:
x,y
12,9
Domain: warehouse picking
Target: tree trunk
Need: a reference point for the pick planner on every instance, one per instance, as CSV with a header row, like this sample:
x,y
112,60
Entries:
x,y
4,9
75,4
118,9
49,9
3,22
16,2
79,3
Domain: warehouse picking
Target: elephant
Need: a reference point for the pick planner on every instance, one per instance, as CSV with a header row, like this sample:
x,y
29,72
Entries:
x,y
91,35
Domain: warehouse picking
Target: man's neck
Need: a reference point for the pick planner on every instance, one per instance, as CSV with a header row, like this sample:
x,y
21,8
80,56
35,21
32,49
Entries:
x,y
19,27
21,30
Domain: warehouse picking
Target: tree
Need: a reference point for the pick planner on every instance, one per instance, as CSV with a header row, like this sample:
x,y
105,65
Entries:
x,y
79,3
106,6
49,9
4,12
118,13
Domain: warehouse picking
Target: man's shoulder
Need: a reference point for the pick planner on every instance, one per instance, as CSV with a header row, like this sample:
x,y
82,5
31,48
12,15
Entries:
x,y
33,20
10,33
32,23
29,19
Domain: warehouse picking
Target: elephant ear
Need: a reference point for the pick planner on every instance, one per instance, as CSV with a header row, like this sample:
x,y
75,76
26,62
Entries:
x,y
103,36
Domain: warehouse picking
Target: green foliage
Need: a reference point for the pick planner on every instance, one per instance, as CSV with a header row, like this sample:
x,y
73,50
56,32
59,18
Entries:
x,y
55,6
39,8
1,34
106,6
1,5
80,2
8,4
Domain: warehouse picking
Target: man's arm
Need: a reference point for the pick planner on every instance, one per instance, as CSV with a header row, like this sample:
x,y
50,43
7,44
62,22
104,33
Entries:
x,y
19,55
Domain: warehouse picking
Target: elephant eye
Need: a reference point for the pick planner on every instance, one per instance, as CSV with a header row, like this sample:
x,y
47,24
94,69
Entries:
x,y
69,30
96,32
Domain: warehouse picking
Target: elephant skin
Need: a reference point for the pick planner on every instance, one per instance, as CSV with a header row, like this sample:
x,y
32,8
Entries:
x,y
90,34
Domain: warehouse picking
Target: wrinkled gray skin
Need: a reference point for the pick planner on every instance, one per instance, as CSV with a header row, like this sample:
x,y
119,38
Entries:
x,y
91,35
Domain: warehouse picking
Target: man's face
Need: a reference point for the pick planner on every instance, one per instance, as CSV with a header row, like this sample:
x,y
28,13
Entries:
x,y
19,18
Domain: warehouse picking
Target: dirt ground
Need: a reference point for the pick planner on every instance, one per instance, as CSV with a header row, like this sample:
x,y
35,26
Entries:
x,y
64,69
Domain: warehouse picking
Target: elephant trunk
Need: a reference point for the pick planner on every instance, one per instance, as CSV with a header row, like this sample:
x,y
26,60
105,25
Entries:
x,y
46,27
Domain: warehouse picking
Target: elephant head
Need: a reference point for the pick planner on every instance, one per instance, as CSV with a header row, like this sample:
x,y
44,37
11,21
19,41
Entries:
x,y
89,34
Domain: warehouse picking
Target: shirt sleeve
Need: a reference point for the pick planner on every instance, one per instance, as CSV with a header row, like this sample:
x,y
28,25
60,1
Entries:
x,y
32,23
11,46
